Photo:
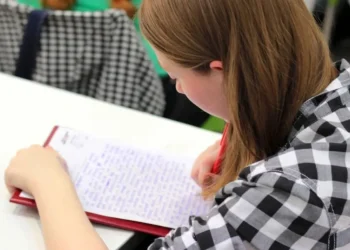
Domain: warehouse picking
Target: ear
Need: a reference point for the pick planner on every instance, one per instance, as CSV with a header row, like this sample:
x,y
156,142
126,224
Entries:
x,y
216,65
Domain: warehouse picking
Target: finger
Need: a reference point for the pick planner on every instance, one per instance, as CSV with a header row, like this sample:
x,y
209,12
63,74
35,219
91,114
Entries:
x,y
36,146
194,174
206,158
203,173
197,164
59,157
195,169
207,165
6,177
21,151
51,149
211,158
196,180
11,189
63,163
27,151
208,180
204,166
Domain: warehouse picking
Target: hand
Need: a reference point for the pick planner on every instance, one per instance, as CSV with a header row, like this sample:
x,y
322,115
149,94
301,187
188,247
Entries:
x,y
201,171
40,171
35,168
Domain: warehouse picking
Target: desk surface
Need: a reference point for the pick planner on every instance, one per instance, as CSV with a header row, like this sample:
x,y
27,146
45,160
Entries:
x,y
28,113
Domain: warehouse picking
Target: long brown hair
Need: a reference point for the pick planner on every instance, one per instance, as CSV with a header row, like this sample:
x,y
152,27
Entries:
x,y
274,58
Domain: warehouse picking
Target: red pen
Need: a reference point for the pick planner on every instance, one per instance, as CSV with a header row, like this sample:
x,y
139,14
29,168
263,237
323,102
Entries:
x,y
217,163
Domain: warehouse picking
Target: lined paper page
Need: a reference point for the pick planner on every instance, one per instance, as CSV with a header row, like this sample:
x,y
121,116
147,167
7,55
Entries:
x,y
118,180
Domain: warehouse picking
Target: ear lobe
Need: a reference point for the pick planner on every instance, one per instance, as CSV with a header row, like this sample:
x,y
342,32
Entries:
x,y
216,65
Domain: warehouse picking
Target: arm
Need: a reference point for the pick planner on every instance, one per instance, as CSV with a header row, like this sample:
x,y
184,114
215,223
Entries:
x,y
64,223
40,171
262,215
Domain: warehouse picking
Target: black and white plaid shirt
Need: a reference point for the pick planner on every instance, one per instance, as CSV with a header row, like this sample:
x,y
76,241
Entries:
x,y
97,54
298,199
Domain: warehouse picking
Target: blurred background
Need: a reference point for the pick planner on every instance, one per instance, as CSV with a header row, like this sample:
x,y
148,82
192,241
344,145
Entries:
x,y
333,17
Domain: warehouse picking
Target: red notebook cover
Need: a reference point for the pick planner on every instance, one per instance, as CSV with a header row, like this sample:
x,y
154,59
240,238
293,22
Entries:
x,y
112,222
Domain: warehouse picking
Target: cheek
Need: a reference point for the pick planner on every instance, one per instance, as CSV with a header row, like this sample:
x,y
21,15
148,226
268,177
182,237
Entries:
x,y
194,92
205,96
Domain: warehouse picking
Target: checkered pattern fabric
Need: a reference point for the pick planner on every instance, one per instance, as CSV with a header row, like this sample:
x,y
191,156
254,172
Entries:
x,y
296,199
97,54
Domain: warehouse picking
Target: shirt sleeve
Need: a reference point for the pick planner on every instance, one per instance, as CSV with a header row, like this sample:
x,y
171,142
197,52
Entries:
x,y
203,233
268,216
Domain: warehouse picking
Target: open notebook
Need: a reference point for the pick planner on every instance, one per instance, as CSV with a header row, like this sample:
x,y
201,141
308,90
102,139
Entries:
x,y
125,186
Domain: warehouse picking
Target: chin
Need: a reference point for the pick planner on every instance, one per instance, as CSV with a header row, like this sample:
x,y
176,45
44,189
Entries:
x,y
217,114
213,110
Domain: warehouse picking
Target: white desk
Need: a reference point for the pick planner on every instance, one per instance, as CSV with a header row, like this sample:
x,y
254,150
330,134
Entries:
x,y
28,112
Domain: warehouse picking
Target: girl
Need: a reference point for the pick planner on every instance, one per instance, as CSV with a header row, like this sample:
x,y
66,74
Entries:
x,y
264,67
